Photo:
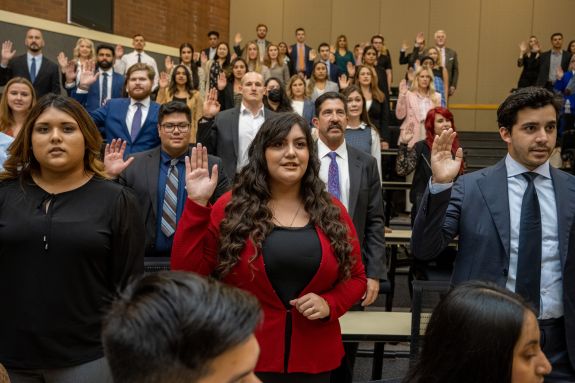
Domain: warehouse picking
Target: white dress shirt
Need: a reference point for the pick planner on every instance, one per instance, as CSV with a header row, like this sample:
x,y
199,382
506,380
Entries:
x,y
342,160
132,111
132,58
248,127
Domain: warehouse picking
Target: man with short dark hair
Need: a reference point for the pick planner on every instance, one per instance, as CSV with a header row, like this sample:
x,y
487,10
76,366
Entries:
x,y
213,40
514,220
552,60
138,56
158,176
33,66
108,84
261,42
177,327
299,55
228,134
133,119
324,56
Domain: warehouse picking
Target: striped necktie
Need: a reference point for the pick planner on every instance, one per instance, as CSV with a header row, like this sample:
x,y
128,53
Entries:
x,y
170,204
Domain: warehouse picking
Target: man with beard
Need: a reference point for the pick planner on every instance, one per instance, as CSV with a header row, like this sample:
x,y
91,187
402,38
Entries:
x,y
133,119
262,43
42,73
553,61
514,220
109,84
352,177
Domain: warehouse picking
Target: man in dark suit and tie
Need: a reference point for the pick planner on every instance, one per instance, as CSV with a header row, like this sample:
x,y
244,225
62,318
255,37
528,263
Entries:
x,y
158,176
352,176
133,119
448,59
108,85
229,133
299,55
324,57
552,60
514,220
42,73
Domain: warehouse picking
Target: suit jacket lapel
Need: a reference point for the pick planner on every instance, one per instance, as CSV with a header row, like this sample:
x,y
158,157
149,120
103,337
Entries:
x,y
152,174
355,172
235,126
564,192
493,187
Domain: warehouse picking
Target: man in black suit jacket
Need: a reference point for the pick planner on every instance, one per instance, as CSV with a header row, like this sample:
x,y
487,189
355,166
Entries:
x,y
296,64
548,75
46,78
227,134
147,173
360,192
332,68
486,210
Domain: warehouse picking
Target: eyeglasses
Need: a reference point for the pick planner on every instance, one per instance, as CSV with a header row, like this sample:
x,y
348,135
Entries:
x,y
183,127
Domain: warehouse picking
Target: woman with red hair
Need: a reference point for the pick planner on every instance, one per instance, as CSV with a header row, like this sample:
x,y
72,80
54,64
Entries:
x,y
417,157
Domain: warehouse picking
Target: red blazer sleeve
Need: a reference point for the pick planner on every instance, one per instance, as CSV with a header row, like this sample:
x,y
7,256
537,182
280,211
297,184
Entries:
x,y
195,244
346,293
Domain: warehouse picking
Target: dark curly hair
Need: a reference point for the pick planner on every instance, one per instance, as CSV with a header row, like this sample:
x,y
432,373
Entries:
x,y
248,216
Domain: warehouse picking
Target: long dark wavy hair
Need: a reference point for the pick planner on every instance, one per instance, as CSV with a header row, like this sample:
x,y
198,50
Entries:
x,y
248,217
193,67
173,89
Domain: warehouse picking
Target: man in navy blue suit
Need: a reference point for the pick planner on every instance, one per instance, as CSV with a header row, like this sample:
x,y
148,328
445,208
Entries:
x,y
324,57
299,55
515,220
109,84
133,119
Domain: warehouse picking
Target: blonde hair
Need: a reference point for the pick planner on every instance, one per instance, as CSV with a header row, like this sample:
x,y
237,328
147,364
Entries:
x,y
253,65
415,82
81,40
290,82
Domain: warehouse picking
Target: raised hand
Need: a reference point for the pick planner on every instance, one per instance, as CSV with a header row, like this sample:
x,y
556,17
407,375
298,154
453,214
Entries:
x,y
403,87
87,75
350,69
419,39
7,52
222,81
289,50
70,72
211,104
311,306
343,82
233,56
169,64
164,80
203,58
332,49
559,73
312,54
404,46
406,134
523,48
443,166
237,39
199,185
119,51
196,56
62,61
114,163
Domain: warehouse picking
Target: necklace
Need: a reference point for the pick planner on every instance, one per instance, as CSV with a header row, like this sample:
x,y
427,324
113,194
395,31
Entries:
x,y
292,220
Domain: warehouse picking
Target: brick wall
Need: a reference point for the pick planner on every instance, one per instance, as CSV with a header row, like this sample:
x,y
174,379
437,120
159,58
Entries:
x,y
167,22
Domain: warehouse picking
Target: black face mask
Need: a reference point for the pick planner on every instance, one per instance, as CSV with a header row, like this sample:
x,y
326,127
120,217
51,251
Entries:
x,y
274,95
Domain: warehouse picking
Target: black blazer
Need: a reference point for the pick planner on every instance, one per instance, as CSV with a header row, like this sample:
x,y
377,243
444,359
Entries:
x,y
47,80
545,62
366,211
221,136
379,116
142,176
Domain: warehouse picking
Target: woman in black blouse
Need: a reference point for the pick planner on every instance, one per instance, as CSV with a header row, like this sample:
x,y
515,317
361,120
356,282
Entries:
x,y
528,59
69,238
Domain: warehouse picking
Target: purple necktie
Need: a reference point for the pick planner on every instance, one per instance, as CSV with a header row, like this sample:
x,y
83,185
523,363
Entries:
x,y
136,122
333,177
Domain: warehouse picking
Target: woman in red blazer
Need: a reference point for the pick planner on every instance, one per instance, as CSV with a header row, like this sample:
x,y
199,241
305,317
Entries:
x,y
282,237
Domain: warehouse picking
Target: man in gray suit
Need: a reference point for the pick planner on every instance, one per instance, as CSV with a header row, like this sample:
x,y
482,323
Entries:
x,y
158,176
514,220
448,59
352,176
229,133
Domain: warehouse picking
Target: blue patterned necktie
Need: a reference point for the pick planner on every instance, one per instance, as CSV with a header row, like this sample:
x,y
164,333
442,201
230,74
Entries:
x,y
528,281
136,122
333,177
33,70
170,204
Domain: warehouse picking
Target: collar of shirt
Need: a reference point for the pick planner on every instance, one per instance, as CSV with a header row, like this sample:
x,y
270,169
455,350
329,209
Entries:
x,y
166,158
514,168
145,102
323,150
37,57
246,111
109,71
361,126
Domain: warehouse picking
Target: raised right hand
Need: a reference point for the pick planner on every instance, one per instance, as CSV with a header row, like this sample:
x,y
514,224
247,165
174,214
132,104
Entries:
x,y
343,81
419,38
168,63
350,69
203,58
211,104
403,87
443,166
199,185
87,75
406,134
523,47
164,80
62,61
237,39
222,81
7,52
119,51
114,163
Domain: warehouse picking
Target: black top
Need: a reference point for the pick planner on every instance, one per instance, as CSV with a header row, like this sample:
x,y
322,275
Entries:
x,y
183,100
291,268
60,266
530,64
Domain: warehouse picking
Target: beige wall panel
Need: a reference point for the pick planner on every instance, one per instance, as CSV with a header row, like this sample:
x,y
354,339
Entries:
x,y
497,71
464,120
486,120
553,16
246,14
399,21
460,21
358,20
313,16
